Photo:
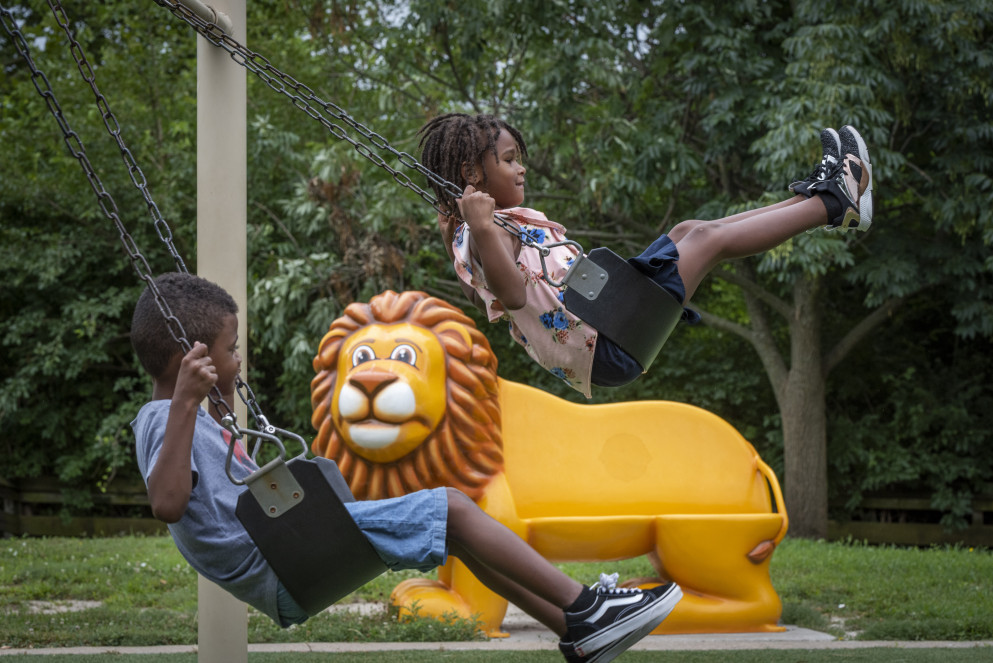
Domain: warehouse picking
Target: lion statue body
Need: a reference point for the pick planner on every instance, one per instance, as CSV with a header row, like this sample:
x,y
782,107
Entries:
x,y
406,397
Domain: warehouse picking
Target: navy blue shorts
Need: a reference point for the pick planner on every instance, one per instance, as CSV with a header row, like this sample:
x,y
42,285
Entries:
x,y
612,366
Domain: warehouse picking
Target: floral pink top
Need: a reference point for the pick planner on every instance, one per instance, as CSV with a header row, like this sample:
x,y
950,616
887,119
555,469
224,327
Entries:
x,y
555,338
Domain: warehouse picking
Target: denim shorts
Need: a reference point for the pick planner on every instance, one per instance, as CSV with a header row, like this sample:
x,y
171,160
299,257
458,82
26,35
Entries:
x,y
407,532
612,366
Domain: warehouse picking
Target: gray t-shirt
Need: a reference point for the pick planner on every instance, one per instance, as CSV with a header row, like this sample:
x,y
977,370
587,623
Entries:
x,y
209,535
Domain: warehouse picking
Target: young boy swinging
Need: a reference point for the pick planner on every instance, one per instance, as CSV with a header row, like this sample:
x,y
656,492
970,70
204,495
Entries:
x,y
182,449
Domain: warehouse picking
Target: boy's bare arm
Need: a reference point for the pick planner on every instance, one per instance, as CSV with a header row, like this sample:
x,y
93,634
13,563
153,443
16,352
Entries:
x,y
171,480
496,249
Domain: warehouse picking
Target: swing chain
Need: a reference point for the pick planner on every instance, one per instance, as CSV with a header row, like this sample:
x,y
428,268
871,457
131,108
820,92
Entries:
x,y
280,81
105,201
306,100
137,176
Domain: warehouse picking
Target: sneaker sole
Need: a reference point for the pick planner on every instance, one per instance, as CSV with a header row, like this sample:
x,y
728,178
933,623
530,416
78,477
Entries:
x,y
659,611
865,202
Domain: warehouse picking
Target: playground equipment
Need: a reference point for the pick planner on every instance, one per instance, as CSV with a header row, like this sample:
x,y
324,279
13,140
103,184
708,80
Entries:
x,y
578,482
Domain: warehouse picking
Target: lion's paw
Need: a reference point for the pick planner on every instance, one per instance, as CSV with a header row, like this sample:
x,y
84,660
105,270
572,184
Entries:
x,y
428,598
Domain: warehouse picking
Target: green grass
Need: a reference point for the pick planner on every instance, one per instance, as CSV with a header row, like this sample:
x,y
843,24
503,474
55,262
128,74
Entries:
x,y
886,593
147,595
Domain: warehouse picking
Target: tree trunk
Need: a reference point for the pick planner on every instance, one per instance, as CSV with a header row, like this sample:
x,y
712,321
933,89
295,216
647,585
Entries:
x,y
800,387
803,409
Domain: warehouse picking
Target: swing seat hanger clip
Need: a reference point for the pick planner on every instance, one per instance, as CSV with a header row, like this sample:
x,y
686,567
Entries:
x,y
584,276
273,485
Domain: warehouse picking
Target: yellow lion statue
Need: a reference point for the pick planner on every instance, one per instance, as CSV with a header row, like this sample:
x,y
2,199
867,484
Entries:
x,y
406,397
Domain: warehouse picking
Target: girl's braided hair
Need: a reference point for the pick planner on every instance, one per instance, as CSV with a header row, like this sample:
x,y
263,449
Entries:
x,y
450,141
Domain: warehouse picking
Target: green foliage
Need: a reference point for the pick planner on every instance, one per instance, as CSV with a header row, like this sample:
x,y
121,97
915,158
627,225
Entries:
x,y
919,423
68,380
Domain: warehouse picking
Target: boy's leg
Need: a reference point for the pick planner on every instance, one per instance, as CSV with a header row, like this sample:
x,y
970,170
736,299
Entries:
x,y
504,562
595,625
549,614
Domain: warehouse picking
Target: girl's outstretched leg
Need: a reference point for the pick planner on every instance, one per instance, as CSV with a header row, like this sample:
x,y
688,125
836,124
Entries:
x,y
707,244
680,230
839,194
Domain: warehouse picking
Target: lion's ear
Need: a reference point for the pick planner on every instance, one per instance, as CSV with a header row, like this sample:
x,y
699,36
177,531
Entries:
x,y
455,337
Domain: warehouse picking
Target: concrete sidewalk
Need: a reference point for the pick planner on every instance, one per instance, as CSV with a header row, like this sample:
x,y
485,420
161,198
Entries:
x,y
526,635
792,638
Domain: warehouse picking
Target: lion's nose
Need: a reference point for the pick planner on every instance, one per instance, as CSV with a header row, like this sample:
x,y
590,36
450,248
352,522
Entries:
x,y
371,382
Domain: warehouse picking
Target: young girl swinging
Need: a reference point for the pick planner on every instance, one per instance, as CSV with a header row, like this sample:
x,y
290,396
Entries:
x,y
482,155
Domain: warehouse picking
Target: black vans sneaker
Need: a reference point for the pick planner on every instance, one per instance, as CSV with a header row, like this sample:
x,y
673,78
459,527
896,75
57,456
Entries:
x,y
616,619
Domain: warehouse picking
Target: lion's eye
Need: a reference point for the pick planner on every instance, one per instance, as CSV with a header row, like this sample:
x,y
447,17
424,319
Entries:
x,y
362,354
404,353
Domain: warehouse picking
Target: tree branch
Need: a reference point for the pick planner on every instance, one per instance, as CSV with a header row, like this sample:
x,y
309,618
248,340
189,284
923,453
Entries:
x,y
765,344
860,331
758,336
724,324
748,285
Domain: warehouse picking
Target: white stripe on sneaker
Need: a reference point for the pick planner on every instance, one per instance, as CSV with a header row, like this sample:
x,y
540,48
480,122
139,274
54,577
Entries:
x,y
613,603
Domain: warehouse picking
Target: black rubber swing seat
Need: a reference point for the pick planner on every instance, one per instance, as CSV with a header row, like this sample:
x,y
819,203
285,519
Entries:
x,y
310,540
631,309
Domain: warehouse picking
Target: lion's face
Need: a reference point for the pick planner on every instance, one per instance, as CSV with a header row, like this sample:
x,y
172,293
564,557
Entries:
x,y
392,390
406,397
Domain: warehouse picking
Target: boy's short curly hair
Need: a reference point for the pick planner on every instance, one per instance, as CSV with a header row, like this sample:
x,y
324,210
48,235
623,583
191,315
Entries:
x,y
199,305
449,141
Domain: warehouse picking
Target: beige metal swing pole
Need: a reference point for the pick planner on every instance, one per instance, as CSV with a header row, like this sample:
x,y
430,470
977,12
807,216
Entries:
x,y
222,211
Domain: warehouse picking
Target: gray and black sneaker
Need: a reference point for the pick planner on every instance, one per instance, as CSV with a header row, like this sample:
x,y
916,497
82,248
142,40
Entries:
x,y
847,190
852,140
616,619
831,150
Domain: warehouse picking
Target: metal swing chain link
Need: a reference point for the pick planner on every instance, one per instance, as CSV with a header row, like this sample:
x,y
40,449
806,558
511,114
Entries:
x,y
161,225
114,129
306,100
106,202
280,81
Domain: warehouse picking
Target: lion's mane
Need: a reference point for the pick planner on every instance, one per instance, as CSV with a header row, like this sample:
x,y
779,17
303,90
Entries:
x,y
466,448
